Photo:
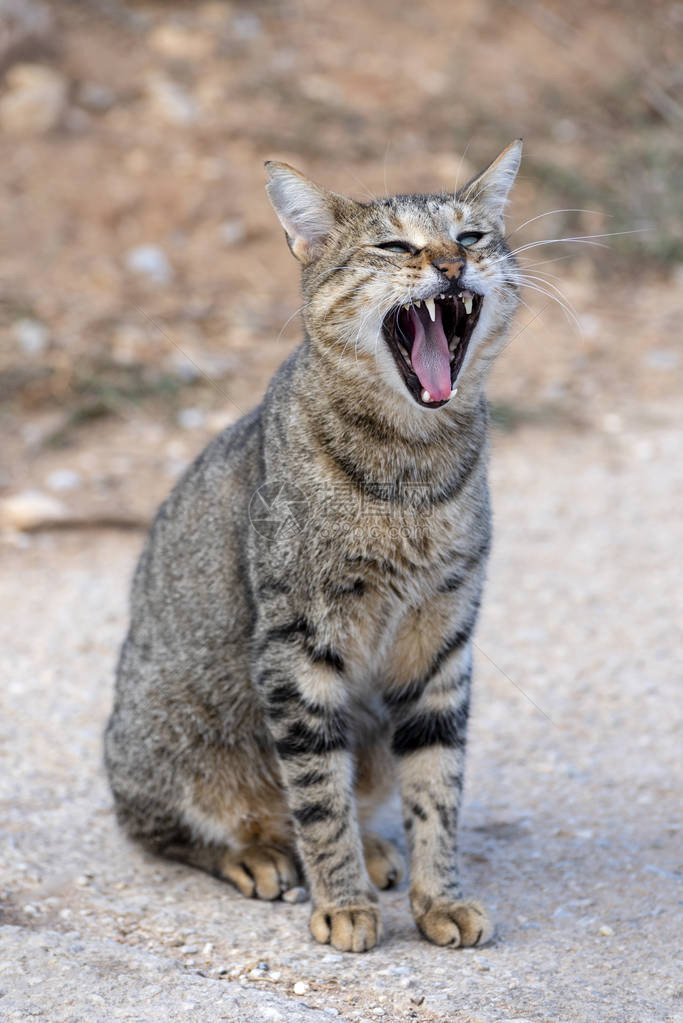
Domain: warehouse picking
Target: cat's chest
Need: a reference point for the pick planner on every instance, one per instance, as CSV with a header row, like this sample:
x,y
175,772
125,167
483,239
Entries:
x,y
394,569
404,541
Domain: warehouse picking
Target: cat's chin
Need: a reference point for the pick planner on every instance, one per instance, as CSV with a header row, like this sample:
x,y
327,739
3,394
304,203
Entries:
x,y
435,334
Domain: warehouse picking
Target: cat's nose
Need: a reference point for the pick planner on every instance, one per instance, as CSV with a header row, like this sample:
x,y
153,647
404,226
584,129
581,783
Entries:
x,y
450,268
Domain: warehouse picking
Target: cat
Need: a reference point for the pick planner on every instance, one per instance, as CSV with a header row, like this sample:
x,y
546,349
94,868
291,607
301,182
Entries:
x,y
302,613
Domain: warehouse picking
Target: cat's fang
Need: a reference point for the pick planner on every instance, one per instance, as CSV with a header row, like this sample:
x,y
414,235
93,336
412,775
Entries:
x,y
431,309
454,392
426,396
467,302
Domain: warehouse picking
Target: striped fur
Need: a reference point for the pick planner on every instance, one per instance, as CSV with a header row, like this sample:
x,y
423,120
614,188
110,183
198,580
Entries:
x,y
277,680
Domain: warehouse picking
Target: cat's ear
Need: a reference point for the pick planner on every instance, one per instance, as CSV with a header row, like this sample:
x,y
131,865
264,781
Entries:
x,y
307,211
493,185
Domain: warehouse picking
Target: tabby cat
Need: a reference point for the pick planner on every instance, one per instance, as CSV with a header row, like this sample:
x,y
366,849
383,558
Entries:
x,y
303,610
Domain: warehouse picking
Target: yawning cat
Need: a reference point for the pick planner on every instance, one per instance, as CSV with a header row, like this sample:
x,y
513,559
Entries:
x,y
302,613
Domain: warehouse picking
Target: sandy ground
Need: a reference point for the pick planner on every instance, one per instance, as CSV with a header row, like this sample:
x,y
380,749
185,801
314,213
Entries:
x,y
569,830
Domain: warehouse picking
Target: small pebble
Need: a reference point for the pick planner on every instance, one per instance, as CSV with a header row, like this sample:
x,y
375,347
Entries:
x,y
300,988
28,509
31,336
96,97
232,231
33,100
191,418
208,949
606,931
170,101
150,261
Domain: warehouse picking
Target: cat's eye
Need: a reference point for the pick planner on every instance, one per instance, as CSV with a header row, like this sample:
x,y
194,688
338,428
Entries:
x,y
468,238
395,246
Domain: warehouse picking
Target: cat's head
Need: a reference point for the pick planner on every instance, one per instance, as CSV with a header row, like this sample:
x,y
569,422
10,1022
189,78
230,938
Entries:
x,y
416,289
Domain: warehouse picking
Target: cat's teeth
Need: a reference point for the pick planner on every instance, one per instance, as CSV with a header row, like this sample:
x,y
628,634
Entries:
x,y
467,302
454,392
442,296
406,355
407,306
418,304
426,396
429,303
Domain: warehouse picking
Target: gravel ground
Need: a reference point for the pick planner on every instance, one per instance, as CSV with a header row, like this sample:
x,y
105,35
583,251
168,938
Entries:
x,y
569,831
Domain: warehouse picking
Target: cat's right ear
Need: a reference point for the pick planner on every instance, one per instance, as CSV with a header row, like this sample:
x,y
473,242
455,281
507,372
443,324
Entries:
x,y
492,186
306,211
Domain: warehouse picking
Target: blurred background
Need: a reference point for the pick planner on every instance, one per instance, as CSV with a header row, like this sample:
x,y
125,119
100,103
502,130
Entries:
x,y
146,291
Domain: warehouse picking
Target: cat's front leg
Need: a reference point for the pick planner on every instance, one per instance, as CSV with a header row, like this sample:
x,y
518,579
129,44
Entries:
x,y
306,706
430,720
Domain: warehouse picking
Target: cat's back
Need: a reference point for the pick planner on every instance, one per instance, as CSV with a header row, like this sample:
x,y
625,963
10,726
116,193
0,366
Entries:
x,y
189,597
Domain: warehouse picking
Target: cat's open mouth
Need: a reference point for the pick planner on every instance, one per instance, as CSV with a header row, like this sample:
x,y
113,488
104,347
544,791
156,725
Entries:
x,y
429,340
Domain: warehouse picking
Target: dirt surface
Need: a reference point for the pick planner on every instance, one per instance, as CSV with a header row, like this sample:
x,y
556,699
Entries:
x,y
570,830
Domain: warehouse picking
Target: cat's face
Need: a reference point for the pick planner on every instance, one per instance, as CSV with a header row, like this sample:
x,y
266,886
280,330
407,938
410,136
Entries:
x,y
414,285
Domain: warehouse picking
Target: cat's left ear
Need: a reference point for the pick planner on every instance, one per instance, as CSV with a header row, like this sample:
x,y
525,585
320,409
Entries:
x,y
493,185
307,211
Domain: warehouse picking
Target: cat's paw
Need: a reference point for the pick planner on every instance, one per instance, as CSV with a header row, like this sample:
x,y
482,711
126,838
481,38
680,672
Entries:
x,y
348,928
448,922
383,860
260,871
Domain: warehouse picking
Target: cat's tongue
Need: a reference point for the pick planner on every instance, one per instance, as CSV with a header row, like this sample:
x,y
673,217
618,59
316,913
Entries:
x,y
430,356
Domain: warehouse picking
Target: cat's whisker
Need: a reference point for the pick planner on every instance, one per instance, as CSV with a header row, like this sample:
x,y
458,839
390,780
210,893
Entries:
x,y
372,197
289,320
457,174
568,310
549,214
524,265
578,239
586,239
